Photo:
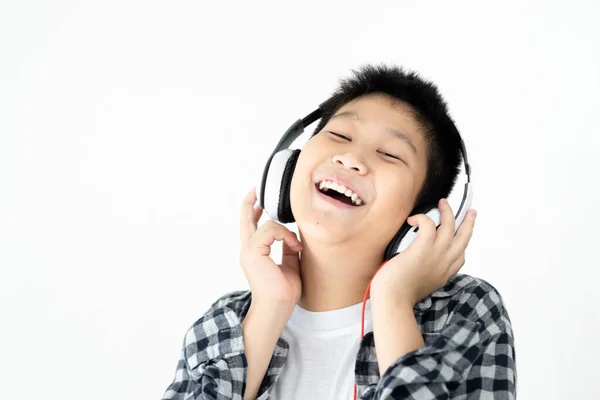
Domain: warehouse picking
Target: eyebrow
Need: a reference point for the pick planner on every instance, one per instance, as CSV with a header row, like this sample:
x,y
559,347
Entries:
x,y
351,115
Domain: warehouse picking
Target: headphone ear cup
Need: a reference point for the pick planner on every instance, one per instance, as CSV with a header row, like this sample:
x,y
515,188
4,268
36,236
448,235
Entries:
x,y
392,248
277,186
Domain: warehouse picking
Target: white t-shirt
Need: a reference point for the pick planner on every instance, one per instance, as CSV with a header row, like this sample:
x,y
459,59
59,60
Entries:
x,y
322,354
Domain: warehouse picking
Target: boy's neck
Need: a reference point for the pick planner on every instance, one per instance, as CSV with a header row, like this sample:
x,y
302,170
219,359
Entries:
x,y
333,277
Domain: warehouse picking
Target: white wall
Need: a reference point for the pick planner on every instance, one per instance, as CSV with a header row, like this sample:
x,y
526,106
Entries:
x,y
131,130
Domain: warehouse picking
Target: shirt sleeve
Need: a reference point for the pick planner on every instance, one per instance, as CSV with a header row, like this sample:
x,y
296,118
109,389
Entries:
x,y
473,357
212,362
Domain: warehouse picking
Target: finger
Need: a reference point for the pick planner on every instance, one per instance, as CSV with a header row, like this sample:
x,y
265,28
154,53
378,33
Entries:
x,y
463,236
292,247
248,217
456,266
426,233
290,256
445,232
268,233
257,212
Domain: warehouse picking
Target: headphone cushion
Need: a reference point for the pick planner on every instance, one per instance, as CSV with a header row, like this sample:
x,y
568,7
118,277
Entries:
x,y
285,206
392,248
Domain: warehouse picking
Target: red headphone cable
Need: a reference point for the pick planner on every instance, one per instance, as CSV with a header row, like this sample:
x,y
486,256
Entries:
x,y
362,325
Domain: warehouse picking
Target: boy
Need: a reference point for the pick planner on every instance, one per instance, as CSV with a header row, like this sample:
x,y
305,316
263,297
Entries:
x,y
379,152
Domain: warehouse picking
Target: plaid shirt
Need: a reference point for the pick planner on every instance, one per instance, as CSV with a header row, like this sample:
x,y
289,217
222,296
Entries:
x,y
468,354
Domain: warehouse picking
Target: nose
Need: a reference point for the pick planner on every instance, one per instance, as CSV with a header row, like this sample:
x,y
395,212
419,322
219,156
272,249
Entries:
x,y
350,161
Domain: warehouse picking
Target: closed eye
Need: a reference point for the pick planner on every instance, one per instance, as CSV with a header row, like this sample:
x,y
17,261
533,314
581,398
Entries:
x,y
340,136
390,155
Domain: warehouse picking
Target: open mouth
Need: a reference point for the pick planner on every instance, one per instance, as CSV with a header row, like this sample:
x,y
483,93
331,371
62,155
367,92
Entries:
x,y
339,193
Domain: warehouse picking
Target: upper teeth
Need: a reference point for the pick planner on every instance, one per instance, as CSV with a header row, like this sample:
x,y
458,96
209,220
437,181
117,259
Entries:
x,y
324,185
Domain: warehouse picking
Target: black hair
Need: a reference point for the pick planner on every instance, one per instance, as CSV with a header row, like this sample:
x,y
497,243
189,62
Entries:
x,y
442,139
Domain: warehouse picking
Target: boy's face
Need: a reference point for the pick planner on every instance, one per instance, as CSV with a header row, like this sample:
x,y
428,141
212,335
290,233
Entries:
x,y
383,169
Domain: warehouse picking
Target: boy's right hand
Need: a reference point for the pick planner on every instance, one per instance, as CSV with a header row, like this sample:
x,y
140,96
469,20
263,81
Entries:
x,y
268,281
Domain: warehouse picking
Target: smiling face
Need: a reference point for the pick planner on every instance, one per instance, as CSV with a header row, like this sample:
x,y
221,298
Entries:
x,y
372,150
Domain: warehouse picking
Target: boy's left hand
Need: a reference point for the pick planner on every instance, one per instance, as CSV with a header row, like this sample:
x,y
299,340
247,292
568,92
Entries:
x,y
429,262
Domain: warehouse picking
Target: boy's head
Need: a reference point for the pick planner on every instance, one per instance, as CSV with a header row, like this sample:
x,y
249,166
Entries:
x,y
387,134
